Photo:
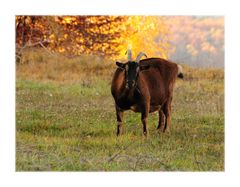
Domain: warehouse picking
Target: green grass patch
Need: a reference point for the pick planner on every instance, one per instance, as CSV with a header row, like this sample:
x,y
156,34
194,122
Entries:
x,y
71,126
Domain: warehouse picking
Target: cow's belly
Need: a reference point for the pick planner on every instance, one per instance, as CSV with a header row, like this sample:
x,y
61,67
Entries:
x,y
137,108
154,108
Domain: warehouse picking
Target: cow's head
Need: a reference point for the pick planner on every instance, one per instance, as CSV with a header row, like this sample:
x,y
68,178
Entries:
x,y
132,69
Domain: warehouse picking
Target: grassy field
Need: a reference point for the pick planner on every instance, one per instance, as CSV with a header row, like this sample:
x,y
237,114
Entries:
x,y
65,120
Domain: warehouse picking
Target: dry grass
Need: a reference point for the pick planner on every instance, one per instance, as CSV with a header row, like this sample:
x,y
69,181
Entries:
x,y
41,66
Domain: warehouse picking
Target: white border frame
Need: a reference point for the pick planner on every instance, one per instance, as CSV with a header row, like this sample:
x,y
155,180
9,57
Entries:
x,y
229,9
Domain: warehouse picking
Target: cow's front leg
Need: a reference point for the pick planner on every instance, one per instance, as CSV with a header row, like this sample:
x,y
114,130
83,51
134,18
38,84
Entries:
x,y
144,116
119,113
161,119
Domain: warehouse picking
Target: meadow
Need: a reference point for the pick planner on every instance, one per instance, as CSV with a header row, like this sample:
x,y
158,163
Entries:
x,y
65,120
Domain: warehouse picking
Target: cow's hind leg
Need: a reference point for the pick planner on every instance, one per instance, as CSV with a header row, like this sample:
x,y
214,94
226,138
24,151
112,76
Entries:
x,y
167,111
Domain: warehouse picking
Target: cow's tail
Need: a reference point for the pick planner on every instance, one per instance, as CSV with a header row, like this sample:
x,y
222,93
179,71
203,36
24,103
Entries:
x,y
180,72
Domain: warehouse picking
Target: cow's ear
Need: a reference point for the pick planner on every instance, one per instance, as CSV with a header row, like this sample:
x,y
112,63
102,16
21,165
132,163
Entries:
x,y
144,68
120,65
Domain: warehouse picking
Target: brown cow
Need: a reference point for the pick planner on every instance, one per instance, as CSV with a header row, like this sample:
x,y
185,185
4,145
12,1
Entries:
x,y
145,86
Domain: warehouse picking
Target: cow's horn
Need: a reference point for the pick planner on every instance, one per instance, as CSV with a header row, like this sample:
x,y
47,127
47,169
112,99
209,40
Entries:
x,y
129,53
140,56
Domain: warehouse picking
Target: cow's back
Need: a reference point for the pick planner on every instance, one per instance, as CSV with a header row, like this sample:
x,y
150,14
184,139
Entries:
x,y
160,78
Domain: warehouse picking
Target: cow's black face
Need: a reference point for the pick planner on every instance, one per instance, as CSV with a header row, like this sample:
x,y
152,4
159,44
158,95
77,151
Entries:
x,y
132,70
131,74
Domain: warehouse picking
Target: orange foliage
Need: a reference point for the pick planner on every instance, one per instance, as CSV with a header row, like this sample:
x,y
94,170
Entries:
x,y
101,35
148,34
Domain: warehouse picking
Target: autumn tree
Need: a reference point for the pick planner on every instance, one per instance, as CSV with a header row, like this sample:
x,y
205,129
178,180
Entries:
x,y
91,34
32,31
96,35
148,34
